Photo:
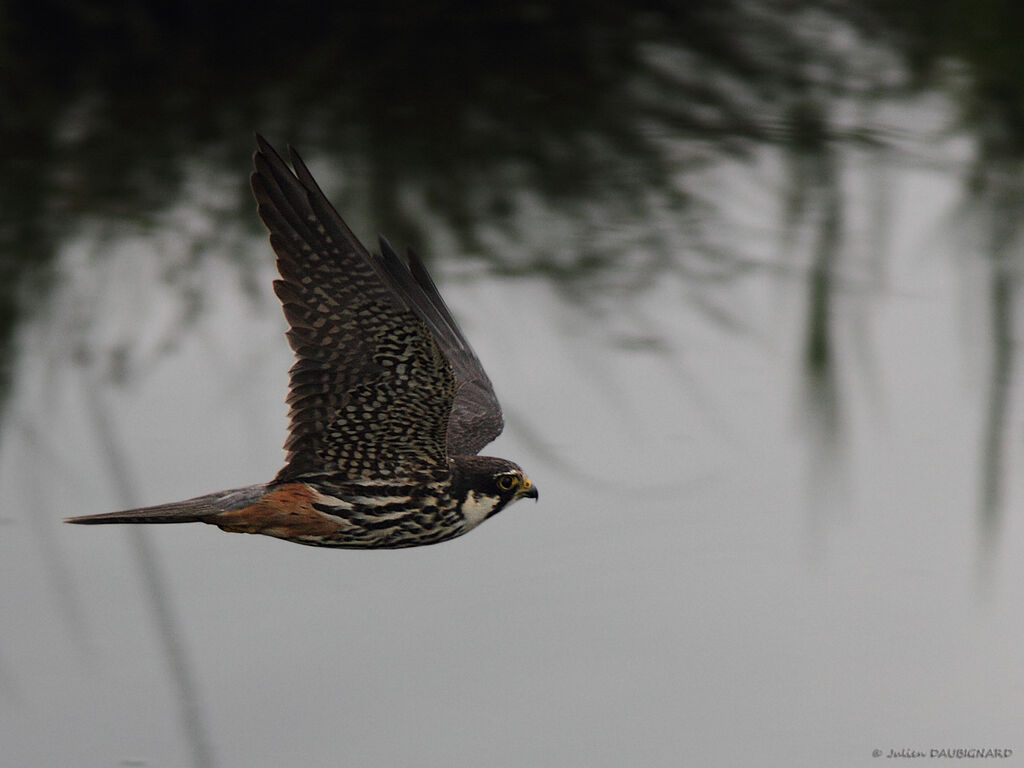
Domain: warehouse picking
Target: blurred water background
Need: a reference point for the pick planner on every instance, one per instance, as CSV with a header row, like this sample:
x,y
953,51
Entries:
x,y
745,275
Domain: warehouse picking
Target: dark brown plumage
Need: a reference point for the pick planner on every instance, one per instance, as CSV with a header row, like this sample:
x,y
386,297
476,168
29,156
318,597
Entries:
x,y
388,402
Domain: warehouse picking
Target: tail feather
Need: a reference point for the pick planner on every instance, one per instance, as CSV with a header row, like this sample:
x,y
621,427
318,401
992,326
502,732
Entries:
x,y
198,510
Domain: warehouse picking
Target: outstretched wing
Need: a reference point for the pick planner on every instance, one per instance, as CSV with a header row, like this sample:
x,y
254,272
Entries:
x,y
371,391
476,415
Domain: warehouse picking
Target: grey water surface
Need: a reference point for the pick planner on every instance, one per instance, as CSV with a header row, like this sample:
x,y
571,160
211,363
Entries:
x,y
750,303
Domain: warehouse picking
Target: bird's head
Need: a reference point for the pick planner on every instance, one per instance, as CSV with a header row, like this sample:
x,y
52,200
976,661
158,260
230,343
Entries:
x,y
485,485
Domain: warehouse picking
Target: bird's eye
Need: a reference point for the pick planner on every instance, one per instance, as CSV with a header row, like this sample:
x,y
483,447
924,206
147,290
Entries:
x,y
505,482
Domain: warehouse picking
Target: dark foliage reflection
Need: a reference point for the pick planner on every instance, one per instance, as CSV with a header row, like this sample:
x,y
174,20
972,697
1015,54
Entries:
x,y
563,140
599,115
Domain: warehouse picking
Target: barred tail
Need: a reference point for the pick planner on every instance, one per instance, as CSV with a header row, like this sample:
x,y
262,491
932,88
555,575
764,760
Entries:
x,y
198,510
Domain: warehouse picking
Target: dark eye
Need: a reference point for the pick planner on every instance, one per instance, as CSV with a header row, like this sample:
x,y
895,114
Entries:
x,y
505,482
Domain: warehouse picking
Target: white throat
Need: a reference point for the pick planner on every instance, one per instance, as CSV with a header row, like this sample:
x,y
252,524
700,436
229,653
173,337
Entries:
x,y
477,507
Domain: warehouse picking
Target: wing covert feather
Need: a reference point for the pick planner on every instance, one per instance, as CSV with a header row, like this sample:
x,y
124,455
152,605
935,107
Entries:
x,y
371,392
345,306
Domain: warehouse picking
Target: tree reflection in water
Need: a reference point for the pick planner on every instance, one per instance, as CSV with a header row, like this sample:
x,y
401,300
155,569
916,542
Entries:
x,y
566,141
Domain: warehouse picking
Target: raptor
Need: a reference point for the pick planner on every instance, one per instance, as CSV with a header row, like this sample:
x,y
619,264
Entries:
x,y
389,405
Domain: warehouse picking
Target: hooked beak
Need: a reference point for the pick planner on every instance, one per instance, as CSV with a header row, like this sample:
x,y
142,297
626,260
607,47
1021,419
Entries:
x,y
527,490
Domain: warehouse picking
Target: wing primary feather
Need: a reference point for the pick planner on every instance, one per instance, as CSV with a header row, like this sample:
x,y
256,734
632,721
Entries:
x,y
429,306
315,246
402,280
476,417
426,284
281,202
372,390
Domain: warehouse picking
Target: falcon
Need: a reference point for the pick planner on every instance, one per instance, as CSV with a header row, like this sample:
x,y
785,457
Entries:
x,y
389,405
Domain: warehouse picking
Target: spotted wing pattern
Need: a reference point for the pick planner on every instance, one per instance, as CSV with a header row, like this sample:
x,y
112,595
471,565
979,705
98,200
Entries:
x,y
476,414
371,391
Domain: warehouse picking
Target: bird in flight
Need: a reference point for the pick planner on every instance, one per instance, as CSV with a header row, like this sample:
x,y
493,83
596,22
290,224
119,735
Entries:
x,y
389,405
